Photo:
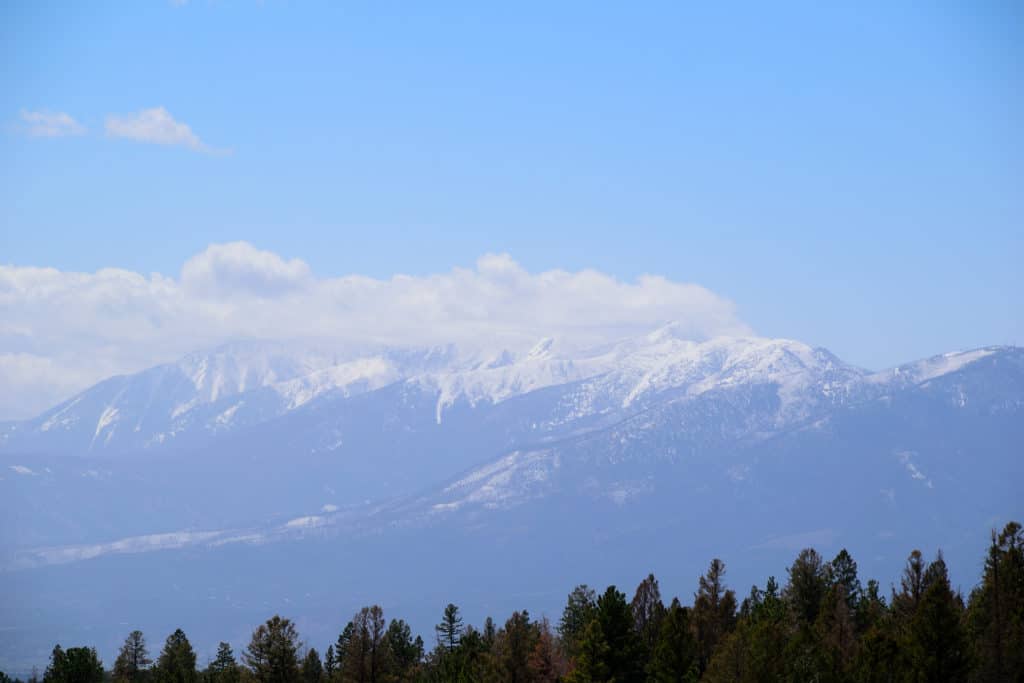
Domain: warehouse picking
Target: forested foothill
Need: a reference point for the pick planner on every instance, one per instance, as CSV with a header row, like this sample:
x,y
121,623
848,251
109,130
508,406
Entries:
x,y
821,623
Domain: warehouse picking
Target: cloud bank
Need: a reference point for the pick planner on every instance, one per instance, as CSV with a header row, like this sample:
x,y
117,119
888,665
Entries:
x,y
62,331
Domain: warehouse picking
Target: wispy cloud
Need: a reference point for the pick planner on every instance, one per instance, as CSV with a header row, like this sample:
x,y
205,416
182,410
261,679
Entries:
x,y
155,126
50,124
64,330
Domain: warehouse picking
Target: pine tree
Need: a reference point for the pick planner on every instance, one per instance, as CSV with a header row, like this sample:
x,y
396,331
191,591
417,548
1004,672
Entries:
x,y
996,611
272,652
513,647
937,646
405,651
592,656
674,657
224,668
74,665
489,633
132,660
312,671
579,610
842,571
365,657
904,603
648,611
836,631
450,629
714,612
806,588
616,622
177,661
341,646
330,664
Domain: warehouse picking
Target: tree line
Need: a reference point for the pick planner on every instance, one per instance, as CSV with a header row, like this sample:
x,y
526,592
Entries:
x,y
822,625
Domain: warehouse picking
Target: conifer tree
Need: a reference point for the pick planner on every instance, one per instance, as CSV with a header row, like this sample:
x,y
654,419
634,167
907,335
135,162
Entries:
x,y
513,647
937,647
74,665
272,653
836,631
341,646
177,661
674,657
912,584
806,588
330,663
996,609
404,650
312,670
592,656
579,610
366,652
132,660
224,668
616,622
714,612
489,632
648,610
450,629
842,571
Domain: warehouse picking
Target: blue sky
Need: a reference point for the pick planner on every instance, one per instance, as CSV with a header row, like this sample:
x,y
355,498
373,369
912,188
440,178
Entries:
x,y
849,176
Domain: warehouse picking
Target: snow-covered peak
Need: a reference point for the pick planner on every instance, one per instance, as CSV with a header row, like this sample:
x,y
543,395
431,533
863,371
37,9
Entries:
x,y
542,349
366,374
932,368
243,366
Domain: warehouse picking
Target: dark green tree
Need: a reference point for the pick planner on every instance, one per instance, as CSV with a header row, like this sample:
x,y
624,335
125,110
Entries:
x,y
224,668
490,632
450,629
806,588
842,571
579,610
937,648
592,656
342,645
904,603
624,650
272,653
330,663
996,609
177,661
674,656
74,665
648,611
714,612
312,670
405,651
133,661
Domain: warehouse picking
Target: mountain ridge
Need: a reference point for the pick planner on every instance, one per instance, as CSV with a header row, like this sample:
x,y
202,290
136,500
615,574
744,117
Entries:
x,y
238,385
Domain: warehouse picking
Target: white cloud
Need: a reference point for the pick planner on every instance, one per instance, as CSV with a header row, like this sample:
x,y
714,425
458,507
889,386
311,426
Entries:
x,y
155,126
62,331
239,267
46,124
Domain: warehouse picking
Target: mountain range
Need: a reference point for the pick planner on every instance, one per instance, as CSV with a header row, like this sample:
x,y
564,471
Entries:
x,y
263,477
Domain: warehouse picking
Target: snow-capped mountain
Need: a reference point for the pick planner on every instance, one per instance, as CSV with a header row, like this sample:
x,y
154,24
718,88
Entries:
x,y
187,403
652,453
